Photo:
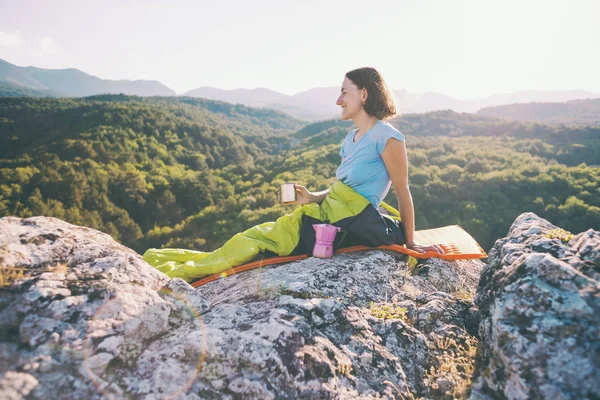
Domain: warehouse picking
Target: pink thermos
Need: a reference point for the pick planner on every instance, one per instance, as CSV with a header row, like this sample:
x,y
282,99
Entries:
x,y
325,237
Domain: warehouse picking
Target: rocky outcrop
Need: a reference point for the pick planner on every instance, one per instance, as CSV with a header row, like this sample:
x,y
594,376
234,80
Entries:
x,y
539,298
84,317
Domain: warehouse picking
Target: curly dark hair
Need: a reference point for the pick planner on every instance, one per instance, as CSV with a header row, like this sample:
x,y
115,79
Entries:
x,y
380,102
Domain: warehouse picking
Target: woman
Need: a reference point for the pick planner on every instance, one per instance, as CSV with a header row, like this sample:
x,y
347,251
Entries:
x,y
373,158
374,154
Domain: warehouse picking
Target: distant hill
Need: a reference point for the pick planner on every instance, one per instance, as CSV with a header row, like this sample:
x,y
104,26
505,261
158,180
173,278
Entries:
x,y
319,103
546,96
316,104
74,83
574,112
241,96
8,89
571,145
52,121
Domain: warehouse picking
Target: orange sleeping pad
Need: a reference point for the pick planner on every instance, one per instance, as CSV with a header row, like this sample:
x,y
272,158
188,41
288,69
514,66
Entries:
x,y
456,242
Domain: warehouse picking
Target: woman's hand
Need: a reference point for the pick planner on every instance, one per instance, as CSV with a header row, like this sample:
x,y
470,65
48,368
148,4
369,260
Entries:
x,y
424,249
303,196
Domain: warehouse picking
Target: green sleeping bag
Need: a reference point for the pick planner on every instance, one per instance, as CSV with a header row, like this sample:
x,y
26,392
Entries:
x,y
280,237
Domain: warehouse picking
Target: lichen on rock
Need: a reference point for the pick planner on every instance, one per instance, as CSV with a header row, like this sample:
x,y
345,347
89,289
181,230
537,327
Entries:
x,y
539,299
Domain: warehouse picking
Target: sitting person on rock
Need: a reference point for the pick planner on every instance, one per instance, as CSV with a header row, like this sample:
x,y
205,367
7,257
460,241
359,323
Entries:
x,y
373,158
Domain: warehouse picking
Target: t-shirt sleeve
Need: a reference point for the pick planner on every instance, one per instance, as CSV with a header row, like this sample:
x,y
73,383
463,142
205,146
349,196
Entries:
x,y
383,135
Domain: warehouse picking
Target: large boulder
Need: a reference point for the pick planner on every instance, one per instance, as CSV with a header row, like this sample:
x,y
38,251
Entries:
x,y
539,299
84,317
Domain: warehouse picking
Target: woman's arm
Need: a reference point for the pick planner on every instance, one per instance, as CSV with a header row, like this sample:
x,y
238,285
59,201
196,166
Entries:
x,y
396,162
316,197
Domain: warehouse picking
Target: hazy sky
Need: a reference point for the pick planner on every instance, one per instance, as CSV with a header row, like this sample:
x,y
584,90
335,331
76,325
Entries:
x,y
465,49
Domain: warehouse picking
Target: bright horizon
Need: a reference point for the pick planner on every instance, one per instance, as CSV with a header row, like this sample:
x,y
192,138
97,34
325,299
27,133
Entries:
x,y
464,49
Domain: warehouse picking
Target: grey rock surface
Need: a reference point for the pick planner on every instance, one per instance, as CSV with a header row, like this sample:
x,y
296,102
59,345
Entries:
x,y
539,299
85,317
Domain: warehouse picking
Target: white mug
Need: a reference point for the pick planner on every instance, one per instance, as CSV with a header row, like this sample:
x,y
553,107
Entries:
x,y
288,192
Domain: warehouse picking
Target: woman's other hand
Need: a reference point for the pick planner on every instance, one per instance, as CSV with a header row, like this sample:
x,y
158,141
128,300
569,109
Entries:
x,y
424,249
303,196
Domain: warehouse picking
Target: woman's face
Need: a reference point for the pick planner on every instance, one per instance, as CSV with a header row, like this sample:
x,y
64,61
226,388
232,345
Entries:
x,y
351,99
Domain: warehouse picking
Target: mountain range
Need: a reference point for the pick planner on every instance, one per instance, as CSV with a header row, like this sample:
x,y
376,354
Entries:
x,y
319,103
313,104
72,83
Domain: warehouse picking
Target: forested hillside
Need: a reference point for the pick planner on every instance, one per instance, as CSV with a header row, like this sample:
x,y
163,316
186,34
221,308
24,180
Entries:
x,y
191,172
124,164
567,145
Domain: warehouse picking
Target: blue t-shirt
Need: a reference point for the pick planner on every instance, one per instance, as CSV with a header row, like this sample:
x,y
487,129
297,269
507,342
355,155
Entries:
x,y
362,167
